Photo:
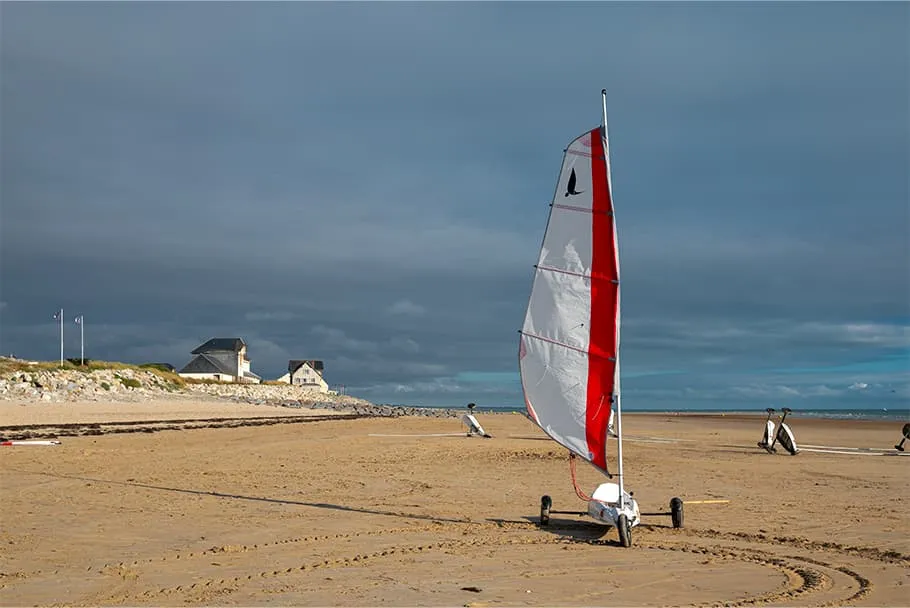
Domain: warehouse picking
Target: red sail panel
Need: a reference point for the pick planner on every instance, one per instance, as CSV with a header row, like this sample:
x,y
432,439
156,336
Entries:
x,y
604,304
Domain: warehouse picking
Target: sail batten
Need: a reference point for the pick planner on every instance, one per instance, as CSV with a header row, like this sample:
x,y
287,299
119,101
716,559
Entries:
x,y
570,337
592,277
580,209
585,154
569,346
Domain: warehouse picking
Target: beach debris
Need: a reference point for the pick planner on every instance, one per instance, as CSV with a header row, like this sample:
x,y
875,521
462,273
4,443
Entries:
x,y
472,589
29,442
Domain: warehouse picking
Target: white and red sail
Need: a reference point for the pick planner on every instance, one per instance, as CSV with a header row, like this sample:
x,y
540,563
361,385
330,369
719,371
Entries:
x,y
568,355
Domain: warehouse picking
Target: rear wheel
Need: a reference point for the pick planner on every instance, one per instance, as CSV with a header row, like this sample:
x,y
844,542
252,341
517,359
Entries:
x,y
676,512
545,504
625,531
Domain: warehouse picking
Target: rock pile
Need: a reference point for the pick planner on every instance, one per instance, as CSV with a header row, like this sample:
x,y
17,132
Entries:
x,y
74,385
295,397
128,384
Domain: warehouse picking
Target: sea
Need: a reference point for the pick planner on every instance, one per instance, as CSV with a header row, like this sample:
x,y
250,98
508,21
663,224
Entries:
x,y
895,414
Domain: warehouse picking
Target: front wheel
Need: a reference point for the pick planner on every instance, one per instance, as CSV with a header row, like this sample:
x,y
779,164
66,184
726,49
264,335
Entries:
x,y
545,504
676,512
625,531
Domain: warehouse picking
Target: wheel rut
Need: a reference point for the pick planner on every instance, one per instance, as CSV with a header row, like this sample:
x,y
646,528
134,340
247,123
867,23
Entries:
x,y
812,573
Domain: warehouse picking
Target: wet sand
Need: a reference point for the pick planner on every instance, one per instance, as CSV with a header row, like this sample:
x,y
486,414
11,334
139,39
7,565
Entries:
x,y
352,513
15,413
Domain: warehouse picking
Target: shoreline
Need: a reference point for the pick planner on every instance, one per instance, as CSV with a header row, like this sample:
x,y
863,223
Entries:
x,y
815,414
127,407
20,421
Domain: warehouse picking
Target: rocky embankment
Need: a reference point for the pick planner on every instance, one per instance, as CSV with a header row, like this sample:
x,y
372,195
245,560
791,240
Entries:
x,y
129,384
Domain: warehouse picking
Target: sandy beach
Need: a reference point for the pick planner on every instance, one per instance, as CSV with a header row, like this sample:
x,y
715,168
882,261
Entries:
x,y
377,512
92,412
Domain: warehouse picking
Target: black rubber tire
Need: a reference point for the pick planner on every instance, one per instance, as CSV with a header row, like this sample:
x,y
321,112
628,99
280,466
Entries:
x,y
546,503
625,531
676,512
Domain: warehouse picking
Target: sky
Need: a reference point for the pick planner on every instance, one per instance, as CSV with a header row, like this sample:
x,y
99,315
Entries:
x,y
368,184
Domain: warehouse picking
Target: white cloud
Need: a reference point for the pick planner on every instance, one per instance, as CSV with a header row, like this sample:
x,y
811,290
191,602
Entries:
x,y
405,344
765,391
874,334
406,307
269,316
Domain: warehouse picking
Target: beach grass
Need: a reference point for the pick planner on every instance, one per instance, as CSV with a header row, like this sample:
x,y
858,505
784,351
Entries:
x,y
11,366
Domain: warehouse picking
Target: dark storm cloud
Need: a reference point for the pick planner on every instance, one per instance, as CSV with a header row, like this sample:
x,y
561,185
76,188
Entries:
x,y
368,184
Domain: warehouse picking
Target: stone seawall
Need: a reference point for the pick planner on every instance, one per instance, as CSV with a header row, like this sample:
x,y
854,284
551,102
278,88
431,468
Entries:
x,y
134,385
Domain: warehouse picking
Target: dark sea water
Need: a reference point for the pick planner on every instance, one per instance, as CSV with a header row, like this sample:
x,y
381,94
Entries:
x,y
901,414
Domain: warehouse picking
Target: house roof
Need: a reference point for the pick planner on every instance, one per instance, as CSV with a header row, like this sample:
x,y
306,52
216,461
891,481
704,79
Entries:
x,y
207,364
229,344
316,364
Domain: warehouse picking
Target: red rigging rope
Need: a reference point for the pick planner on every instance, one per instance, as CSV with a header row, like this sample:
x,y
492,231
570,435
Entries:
x,y
578,491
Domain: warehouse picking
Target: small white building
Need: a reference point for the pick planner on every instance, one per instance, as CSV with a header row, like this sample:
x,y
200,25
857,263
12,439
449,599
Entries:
x,y
222,359
306,373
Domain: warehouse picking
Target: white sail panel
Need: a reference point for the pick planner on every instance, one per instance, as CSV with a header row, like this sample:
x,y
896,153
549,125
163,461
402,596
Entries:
x,y
570,334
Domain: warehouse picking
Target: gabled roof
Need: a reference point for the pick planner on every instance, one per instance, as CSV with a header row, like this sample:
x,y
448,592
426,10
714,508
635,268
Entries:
x,y
316,364
207,364
229,344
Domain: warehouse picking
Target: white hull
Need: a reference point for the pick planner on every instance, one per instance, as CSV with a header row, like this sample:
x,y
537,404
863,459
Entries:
x,y
604,506
786,439
768,437
474,427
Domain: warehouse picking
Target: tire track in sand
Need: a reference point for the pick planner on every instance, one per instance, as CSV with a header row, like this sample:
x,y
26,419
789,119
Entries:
x,y
808,580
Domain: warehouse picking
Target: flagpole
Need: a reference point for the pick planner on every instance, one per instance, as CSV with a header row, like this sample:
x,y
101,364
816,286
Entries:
x,y
80,321
61,337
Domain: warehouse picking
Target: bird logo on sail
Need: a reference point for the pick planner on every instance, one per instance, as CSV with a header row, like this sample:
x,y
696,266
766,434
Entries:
x,y
570,188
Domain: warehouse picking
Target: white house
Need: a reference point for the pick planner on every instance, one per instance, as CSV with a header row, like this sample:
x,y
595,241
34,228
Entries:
x,y
221,359
305,373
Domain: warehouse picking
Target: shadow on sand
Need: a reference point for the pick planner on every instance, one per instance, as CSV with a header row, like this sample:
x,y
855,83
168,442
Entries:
x,y
574,530
283,501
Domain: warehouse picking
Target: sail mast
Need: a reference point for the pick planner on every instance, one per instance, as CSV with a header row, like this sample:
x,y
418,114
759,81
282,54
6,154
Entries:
x,y
616,385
